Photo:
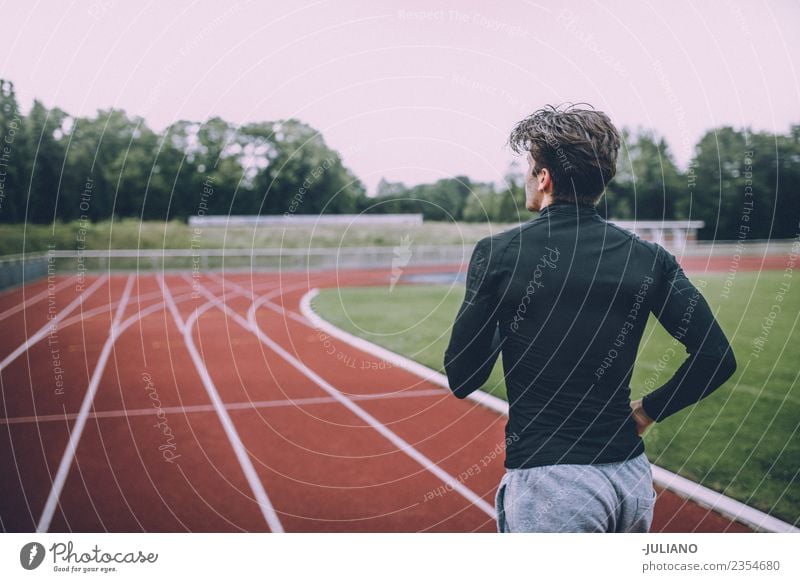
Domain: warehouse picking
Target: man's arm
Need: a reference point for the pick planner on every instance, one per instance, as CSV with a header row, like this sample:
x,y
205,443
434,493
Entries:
x,y
684,313
475,340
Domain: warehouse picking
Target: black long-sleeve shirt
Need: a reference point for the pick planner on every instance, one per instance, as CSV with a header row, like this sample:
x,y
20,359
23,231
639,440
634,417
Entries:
x,y
565,297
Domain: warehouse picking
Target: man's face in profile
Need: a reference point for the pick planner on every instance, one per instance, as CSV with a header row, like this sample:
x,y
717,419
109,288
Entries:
x,y
533,188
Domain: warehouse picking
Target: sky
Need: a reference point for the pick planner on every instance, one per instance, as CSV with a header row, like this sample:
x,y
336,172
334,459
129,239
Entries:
x,y
413,90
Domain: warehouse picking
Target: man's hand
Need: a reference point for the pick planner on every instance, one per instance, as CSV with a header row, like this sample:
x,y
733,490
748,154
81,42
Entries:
x,y
640,416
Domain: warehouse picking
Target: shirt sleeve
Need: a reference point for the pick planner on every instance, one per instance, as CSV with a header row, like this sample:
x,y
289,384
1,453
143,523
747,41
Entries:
x,y
683,311
475,341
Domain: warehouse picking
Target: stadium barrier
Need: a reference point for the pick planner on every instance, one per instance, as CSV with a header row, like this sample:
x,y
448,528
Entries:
x,y
257,259
18,269
288,219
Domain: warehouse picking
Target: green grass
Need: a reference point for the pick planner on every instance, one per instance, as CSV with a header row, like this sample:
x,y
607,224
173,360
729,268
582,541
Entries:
x,y
132,234
742,440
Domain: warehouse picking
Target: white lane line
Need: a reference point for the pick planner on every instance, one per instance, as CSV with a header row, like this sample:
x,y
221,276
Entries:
x,y
108,307
720,503
80,423
173,308
402,445
52,324
244,405
273,306
242,456
713,500
35,299
483,398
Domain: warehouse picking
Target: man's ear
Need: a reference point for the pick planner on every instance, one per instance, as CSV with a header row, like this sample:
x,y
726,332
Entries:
x,y
545,181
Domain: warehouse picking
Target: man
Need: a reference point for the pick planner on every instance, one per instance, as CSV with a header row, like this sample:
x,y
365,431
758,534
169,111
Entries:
x,y
566,297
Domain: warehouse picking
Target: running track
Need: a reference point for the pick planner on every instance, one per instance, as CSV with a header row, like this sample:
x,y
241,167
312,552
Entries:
x,y
214,405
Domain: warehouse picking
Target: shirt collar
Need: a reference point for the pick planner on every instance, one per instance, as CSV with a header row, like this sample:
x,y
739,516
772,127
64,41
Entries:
x,y
570,208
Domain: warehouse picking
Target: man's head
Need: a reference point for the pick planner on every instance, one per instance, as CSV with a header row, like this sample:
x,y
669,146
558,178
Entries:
x,y
571,152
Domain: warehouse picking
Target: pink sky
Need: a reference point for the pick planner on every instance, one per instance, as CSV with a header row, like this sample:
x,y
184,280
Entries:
x,y
413,91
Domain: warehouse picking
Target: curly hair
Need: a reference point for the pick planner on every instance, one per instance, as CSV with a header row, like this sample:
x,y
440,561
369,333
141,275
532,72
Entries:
x,y
578,146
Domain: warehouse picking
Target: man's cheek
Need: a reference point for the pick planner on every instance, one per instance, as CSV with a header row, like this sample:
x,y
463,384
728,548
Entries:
x,y
530,195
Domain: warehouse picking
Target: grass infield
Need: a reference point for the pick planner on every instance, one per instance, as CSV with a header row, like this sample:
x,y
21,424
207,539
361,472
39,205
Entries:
x,y
742,440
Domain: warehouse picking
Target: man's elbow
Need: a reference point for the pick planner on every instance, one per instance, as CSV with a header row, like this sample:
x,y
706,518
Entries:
x,y
461,391
460,387
723,364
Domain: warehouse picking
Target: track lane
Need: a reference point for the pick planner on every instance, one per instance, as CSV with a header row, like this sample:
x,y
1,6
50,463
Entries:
x,y
245,463
164,471
27,472
26,297
465,439
65,464
386,458
16,339
31,454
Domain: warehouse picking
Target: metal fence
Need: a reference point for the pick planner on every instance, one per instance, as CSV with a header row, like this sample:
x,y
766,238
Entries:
x,y
19,269
288,220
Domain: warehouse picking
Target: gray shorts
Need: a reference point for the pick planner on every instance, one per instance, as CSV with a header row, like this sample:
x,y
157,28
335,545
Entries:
x,y
610,497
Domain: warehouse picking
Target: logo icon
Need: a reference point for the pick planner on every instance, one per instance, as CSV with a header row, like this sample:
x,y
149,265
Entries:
x,y
402,255
31,555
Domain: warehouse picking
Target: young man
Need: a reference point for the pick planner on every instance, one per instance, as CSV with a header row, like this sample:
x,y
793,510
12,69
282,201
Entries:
x,y
566,297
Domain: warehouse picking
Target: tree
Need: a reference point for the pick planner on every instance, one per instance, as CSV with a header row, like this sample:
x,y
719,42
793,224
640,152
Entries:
x,y
648,185
734,193
785,183
508,205
44,131
511,206
13,156
302,174
444,199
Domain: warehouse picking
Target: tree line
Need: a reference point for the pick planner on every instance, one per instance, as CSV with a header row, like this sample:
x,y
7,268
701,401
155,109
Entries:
x,y
58,167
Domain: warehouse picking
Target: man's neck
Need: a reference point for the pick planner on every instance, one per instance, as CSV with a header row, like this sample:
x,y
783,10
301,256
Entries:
x,y
547,200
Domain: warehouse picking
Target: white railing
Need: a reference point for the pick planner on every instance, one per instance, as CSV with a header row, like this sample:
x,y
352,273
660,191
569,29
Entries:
x,y
256,258
16,269
235,221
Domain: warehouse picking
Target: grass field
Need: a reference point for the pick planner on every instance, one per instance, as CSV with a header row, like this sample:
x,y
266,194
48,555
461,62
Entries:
x,y
133,234
742,440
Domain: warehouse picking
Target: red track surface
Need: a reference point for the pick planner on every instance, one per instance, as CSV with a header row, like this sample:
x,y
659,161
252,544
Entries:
x,y
322,466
